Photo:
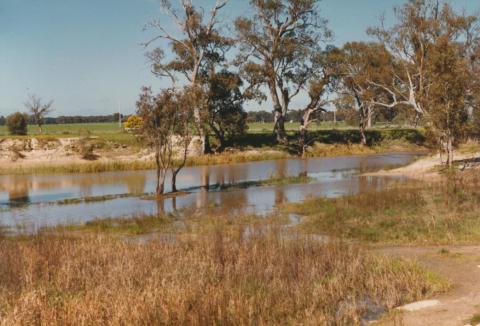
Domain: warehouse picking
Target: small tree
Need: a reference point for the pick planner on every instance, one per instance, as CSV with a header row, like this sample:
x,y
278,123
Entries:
x,y
17,123
38,110
226,116
168,127
158,115
448,106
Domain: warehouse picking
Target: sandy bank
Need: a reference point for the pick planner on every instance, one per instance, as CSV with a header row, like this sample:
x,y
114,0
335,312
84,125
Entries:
x,y
426,168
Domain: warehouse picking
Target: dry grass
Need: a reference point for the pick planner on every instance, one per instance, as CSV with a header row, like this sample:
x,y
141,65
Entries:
x,y
331,150
444,212
214,278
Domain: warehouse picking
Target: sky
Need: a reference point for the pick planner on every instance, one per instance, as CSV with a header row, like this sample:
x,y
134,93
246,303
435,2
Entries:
x,y
87,55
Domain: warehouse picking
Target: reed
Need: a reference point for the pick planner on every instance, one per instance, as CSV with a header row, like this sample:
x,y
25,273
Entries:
x,y
213,278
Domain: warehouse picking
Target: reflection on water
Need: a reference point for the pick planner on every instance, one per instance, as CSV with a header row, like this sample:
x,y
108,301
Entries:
x,y
26,201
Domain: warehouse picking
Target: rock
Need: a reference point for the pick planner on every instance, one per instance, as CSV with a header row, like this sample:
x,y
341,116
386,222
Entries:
x,y
419,305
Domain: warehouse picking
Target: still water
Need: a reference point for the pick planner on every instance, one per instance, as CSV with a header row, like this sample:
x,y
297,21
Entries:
x,y
28,203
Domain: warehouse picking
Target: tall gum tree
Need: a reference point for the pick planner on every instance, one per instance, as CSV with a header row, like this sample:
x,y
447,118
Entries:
x,y
277,44
194,45
355,65
419,26
436,50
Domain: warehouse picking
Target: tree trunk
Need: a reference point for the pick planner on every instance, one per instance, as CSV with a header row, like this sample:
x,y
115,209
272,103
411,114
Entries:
x,y
304,132
303,141
416,121
160,182
207,148
363,123
450,151
279,114
279,128
160,175
174,180
220,135
362,133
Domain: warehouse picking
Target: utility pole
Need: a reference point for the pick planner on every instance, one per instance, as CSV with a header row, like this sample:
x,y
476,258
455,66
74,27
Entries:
x,y
119,117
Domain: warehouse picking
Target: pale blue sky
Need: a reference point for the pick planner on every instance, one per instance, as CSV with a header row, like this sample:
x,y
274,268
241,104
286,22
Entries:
x,y
86,54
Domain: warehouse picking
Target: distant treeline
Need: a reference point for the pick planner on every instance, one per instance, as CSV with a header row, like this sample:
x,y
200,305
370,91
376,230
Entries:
x,y
253,116
74,119
342,115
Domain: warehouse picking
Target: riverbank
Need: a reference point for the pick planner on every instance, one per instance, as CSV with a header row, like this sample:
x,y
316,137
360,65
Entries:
x,y
101,151
106,162
430,168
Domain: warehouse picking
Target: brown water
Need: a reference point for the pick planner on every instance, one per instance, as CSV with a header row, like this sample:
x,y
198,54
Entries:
x,y
28,203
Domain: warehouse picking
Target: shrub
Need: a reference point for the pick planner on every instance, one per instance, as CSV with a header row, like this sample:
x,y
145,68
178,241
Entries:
x,y
133,123
17,123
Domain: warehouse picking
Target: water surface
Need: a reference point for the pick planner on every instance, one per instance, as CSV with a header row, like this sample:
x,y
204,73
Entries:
x,y
28,203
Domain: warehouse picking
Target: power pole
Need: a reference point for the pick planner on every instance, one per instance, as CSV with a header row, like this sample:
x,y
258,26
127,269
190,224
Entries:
x,y
119,117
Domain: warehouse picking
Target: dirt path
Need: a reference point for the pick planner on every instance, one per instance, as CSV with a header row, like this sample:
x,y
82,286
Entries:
x,y
460,265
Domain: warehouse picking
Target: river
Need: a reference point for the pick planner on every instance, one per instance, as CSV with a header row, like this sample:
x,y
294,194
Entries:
x,y
30,202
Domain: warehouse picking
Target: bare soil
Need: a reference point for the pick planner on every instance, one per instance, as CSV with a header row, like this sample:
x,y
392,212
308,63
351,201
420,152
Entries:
x,y
427,168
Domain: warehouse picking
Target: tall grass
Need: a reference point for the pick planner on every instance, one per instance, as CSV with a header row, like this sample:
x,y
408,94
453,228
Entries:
x,y
214,278
430,213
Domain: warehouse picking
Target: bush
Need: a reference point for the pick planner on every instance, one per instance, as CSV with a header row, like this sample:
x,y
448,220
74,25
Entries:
x,y
17,123
133,123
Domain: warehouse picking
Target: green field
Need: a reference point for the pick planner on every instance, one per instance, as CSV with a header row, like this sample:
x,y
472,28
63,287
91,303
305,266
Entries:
x,y
110,128
258,135
68,130
107,131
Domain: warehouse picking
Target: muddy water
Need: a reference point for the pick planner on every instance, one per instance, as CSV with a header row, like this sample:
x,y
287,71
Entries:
x,y
28,203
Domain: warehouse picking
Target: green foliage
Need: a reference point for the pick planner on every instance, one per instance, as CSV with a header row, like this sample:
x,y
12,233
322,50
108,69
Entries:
x,y
226,116
17,123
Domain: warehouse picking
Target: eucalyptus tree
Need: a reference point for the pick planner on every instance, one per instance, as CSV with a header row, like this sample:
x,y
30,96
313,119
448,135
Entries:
x,y
419,26
356,65
277,44
195,44
38,110
435,50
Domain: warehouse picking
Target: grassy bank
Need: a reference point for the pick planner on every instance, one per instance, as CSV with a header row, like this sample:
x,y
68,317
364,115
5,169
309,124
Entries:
x,y
444,212
216,277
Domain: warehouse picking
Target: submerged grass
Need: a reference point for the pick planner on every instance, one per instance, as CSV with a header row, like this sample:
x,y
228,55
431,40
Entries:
x,y
126,226
217,277
94,199
438,213
273,181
